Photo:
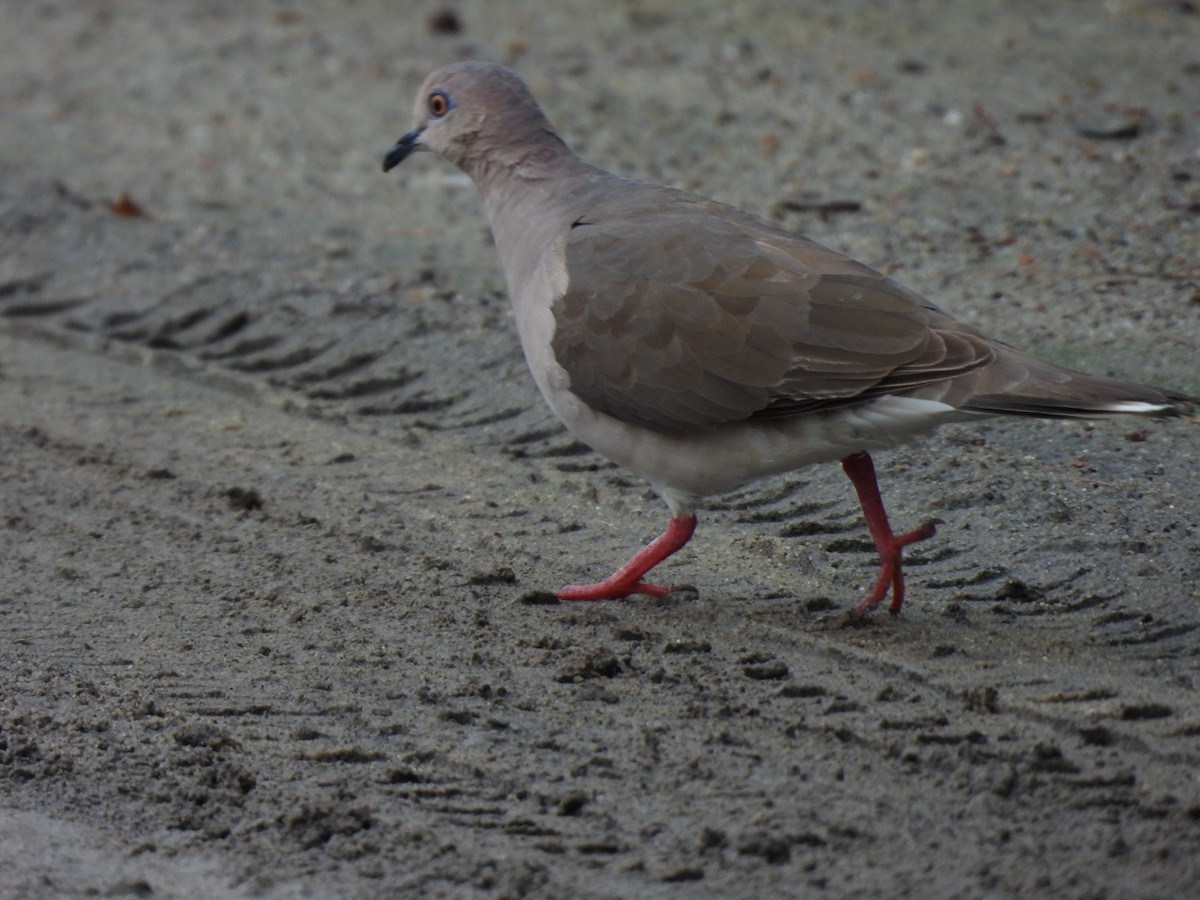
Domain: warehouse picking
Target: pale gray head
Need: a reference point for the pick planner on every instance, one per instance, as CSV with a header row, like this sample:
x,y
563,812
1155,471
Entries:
x,y
477,115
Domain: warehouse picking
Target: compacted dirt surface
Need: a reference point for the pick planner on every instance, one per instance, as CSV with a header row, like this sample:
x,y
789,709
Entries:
x,y
280,506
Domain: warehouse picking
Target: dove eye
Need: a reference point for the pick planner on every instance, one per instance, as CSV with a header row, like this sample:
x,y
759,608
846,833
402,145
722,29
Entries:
x,y
439,104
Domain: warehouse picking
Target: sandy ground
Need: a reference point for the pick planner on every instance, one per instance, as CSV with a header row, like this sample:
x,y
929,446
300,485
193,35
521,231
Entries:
x,y
279,503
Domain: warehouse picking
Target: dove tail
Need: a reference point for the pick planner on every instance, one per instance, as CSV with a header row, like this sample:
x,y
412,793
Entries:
x,y
1050,391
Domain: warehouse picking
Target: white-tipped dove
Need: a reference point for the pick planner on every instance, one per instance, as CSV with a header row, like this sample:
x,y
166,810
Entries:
x,y
703,347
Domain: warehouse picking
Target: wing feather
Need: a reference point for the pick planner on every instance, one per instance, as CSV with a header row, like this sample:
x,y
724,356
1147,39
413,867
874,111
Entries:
x,y
683,312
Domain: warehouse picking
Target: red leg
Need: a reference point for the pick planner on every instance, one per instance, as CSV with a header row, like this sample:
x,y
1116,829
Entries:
x,y
628,579
861,471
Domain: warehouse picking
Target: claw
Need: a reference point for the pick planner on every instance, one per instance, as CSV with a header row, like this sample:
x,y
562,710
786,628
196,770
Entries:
x,y
861,471
627,580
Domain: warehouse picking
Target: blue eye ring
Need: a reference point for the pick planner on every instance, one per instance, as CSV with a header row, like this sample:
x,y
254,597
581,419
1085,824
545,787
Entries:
x,y
439,104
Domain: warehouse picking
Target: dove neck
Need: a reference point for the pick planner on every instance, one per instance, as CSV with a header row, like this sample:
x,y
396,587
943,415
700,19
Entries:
x,y
531,205
512,168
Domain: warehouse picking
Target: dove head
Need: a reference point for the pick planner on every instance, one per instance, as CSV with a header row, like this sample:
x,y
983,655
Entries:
x,y
481,117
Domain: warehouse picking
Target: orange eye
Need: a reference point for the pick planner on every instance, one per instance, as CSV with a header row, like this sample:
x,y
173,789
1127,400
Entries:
x,y
439,104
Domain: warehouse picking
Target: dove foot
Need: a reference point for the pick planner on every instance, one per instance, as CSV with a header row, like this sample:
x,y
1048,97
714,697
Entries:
x,y
861,472
627,580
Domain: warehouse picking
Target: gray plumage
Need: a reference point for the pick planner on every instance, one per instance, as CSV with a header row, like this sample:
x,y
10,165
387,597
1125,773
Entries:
x,y
703,346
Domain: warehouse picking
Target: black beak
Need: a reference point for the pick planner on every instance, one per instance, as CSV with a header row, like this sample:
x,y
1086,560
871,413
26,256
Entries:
x,y
401,150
